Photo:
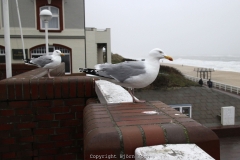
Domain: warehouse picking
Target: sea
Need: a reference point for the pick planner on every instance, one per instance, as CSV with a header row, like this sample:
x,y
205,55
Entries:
x,y
221,63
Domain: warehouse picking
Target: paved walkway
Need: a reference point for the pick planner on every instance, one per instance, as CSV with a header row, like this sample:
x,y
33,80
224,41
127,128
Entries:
x,y
230,148
206,105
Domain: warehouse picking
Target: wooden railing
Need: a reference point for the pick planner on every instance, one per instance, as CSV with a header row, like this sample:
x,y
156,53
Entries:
x,y
218,85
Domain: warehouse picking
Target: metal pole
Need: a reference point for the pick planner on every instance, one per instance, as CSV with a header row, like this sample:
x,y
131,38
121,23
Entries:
x,y
8,56
20,25
46,36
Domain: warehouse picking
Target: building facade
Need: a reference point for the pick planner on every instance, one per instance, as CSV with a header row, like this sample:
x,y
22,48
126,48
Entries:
x,y
83,47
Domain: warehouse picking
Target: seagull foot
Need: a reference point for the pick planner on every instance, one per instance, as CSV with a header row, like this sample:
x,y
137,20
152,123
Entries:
x,y
138,101
49,75
135,100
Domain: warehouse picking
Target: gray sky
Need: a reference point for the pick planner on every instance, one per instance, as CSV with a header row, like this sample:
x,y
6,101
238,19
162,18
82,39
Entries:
x,y
178,27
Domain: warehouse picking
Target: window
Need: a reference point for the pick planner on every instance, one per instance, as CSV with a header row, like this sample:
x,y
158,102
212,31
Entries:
x,y
2,54
183,108
53,24
56,23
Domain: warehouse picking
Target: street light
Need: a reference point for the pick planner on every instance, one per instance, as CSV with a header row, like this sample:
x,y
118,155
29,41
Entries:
x,y
46,16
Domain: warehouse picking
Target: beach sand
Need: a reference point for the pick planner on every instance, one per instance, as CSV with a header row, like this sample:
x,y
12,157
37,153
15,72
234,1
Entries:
x,y
226,77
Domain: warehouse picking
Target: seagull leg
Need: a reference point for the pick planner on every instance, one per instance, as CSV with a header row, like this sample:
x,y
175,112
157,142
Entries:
x,y
135,100
49,74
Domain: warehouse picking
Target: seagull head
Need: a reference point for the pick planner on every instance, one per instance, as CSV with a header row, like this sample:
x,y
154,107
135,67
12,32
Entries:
x,y
159,54
58,53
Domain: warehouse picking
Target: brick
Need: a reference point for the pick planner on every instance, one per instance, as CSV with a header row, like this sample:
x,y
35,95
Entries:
x,y
7,112
7,141
80,87
42,103
24,111
63,130
60,137
64,116
58,102
45,157
26,139
6,127
4,148
18,89
44,131
66,150
42,88
26,125
27,118
88,87
41,138
42,110
26,89
3,90
4,120
67,156
26,132
20,147
75,101
44,152
34,88
65,88
57,88
9,155
132,138
19,104
154,135
45,117
11,89
63,143
72,87
44,145
79,115
27,153
47,124
78,135
49,88
67,123
4,105
77,108
60,109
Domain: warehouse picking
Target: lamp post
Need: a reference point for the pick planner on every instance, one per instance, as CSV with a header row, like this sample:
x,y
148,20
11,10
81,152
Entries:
x,y
8,55
46,16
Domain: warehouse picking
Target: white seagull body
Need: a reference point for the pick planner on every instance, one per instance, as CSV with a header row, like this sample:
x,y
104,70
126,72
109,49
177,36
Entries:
x,y
132,74
47,61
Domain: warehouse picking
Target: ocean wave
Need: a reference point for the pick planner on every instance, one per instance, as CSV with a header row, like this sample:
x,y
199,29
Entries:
x,y
233,66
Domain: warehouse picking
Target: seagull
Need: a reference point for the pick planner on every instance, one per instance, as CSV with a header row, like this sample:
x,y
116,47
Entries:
x,y
46,61
131,74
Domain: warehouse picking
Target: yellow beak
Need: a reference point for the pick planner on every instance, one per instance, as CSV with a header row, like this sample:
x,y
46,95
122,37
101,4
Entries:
x,y
169,58
62,54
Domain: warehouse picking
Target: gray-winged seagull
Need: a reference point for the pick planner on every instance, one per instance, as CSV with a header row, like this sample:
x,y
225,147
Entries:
x,y
47,61
131,74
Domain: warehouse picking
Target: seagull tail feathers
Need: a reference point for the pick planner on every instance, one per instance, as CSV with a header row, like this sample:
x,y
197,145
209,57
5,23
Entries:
x,y
28,62
95,72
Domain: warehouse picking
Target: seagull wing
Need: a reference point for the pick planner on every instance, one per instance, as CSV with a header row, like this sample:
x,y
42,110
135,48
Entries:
x,y
42,60
121,71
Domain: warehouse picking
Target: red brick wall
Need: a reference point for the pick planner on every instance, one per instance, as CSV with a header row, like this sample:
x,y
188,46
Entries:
x,y
41,118
16,69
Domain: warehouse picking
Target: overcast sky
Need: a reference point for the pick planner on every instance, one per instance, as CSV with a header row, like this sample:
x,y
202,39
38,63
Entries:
x,y
178,27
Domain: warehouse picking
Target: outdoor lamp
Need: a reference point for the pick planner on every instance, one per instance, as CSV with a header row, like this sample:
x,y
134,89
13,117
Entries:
x,y
46,16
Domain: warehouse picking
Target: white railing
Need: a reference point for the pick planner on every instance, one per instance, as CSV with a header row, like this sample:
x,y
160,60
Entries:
x,y
218,85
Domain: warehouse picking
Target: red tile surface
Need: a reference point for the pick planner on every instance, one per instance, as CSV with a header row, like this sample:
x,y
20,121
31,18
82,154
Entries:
x,y
136,128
